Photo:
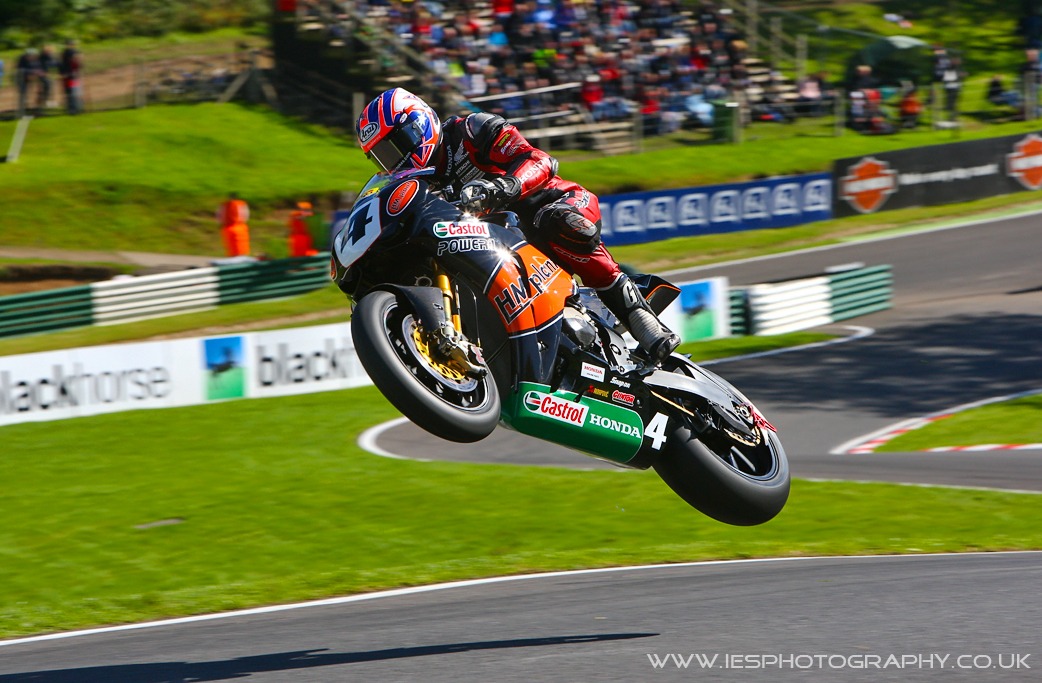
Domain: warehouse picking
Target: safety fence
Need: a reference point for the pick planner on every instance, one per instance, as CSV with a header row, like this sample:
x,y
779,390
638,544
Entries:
x,y
780,307
149,296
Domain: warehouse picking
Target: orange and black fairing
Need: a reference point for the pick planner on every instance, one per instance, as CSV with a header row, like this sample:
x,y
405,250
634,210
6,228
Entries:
x,y
529,291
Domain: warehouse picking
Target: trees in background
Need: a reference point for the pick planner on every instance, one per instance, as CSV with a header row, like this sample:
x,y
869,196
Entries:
x,y
23,23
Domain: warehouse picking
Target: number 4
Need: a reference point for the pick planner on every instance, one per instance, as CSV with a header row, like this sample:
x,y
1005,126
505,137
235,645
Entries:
x,y
656,429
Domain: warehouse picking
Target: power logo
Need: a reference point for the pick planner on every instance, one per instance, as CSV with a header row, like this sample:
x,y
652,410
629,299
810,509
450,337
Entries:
x,y
868,184
1025,163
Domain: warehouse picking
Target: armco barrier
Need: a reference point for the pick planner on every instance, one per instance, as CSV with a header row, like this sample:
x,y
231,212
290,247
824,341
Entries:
x,y
789,306
740,324
150,296
272,279
860,292
776,308
46,311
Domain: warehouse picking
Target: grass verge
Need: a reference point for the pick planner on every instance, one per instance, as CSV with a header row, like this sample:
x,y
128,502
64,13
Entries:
x,y
237,508
1011,422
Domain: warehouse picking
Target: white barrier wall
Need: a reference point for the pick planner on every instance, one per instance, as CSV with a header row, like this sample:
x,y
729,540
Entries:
x,y
104,379
163,374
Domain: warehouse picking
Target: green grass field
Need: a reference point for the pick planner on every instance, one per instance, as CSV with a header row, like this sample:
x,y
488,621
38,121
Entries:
x,y
151,179
148,514
1017,421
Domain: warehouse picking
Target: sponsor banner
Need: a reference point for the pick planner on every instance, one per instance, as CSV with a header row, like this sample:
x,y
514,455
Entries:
x,y
702,311
98,379
303,360
105,379
771,203
940,174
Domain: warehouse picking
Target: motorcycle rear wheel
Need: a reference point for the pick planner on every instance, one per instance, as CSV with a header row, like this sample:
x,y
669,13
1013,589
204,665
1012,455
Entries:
x,y
432,394
710,483
730,481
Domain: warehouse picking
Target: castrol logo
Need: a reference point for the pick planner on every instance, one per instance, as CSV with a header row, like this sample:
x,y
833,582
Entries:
x,y
461,229
556,408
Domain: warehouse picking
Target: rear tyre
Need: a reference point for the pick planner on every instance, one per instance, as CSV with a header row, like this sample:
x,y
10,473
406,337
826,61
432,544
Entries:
x,y
434,394
734,482
712,482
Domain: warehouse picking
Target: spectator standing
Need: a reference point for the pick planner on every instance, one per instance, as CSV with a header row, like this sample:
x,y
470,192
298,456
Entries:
x,y
46,86
1030,83
27,72
2,65
947,73
952,80
71,69
300,243
235,232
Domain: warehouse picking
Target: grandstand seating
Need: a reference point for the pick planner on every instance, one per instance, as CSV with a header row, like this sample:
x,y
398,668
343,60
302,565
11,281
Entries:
x,y
629,65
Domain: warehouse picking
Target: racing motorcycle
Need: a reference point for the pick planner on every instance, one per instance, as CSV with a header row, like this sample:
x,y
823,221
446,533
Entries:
x,y
463,325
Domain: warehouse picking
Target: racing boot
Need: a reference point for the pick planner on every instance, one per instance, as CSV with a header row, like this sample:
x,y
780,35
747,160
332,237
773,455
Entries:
x,y
624,300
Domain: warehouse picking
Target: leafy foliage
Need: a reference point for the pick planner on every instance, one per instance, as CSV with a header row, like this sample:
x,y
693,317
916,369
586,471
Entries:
x,y
23,23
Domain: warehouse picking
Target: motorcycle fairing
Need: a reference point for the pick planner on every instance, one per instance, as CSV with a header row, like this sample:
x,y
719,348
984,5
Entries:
x,y
602,429
529,291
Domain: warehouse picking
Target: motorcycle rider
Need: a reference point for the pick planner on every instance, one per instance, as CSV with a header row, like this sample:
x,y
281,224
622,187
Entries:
x,y
485,162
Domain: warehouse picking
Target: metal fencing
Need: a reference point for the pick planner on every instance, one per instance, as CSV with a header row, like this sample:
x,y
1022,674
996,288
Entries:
x,y
136,82
150,296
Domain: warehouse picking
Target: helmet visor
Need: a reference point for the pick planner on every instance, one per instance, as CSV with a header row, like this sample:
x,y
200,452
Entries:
x,y
391,152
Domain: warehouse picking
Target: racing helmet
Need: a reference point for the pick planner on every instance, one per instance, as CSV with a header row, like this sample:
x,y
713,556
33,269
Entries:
x,y
398,130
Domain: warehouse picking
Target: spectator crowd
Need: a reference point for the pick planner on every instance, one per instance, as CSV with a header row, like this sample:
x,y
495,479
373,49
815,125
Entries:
x,y
662,58
34,78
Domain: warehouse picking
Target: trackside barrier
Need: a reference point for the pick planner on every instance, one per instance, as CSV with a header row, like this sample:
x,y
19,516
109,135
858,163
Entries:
x,y
777,308
150,296
860,292
739,300
272,279
789,306
46,311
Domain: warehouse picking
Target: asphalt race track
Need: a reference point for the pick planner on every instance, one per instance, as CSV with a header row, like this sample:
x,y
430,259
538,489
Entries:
x,y
954,617
966,326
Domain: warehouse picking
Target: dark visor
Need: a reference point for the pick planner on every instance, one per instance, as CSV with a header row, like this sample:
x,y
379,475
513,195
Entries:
x,y
390,152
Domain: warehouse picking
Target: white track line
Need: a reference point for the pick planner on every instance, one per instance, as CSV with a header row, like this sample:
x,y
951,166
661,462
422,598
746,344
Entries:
x,y
868,442
470,583
888,235
367,439
958,487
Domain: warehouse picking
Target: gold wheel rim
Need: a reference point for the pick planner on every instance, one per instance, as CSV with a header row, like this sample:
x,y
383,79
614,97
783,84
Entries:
x,y
449,370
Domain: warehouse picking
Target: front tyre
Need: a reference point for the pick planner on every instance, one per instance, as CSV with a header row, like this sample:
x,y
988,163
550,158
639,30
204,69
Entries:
x,y
436,396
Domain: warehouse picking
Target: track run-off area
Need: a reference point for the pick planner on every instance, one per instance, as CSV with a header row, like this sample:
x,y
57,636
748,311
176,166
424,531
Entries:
x,y
965,328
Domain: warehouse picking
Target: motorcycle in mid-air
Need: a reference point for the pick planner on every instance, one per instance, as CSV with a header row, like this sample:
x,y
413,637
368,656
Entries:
x,y
464,325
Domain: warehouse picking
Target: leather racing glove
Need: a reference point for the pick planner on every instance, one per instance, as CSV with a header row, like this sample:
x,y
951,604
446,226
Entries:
x,y
480,196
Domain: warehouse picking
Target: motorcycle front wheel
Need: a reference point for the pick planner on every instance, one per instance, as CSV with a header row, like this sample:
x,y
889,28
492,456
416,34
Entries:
x,y
431,392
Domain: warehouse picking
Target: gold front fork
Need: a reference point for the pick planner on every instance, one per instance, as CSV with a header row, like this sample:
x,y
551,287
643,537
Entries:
x,y
449,298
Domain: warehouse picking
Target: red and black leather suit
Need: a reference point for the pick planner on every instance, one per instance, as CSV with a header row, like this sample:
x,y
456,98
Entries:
x,y
559,217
